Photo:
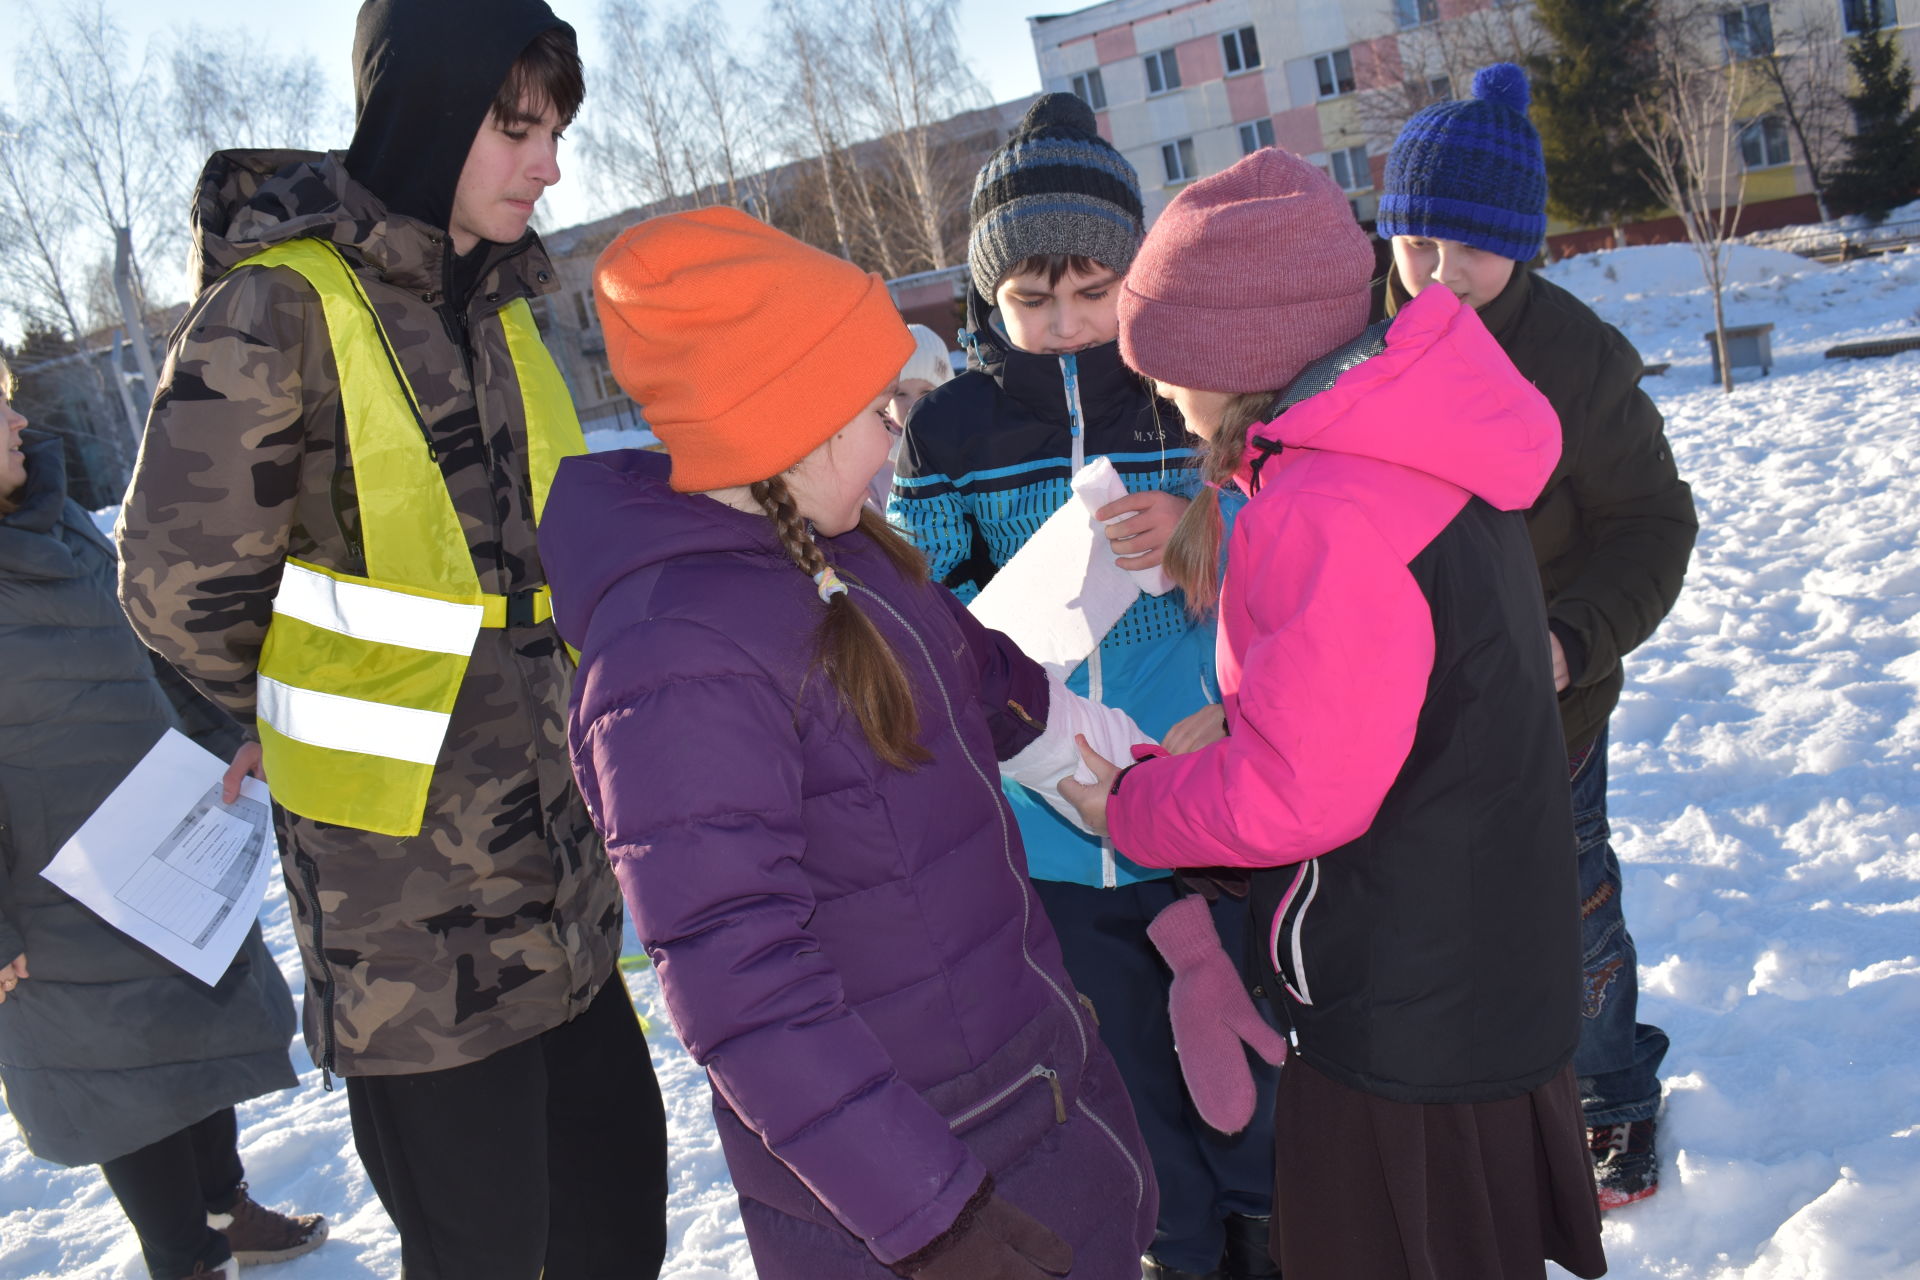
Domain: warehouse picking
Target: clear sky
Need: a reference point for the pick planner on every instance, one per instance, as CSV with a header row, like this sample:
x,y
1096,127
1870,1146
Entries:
x,y
993,36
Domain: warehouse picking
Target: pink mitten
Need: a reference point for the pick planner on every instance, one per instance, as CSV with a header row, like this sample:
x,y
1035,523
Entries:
x,y
1212,1013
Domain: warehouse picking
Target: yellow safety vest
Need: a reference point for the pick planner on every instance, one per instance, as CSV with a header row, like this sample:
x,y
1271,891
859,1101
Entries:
x,y
358,675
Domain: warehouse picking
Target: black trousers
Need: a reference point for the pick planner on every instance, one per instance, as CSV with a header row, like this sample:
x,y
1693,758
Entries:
x,y
550,1154
167,1189
1204,1175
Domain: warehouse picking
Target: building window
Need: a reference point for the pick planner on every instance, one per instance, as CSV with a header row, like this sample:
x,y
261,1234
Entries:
x,y
1351,170
1335,72
1416,13
1860,16
1747,31
582,312
1763,144
1178,157
1440,89
1240,49
1088,88
1163,72
610,388
1256,134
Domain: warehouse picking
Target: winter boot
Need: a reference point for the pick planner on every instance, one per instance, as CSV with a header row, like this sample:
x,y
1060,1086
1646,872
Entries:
x,y
228,1270
1152,1269
1625,1166
1249,1253
258,1235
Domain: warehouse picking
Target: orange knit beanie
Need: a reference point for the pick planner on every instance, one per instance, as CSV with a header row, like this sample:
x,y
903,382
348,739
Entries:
x,y
745,348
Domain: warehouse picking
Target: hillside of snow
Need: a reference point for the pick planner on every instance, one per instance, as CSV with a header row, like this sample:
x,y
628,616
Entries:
x,y
1766,803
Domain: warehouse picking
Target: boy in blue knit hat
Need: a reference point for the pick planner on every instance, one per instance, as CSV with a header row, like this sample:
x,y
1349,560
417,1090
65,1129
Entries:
x,y
1056,220
1465,203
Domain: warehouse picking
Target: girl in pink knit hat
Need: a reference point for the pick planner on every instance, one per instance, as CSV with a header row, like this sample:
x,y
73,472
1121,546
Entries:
x,y
1387,788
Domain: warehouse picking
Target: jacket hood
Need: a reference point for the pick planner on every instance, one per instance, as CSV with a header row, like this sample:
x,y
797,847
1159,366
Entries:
x,y
613,514
29,543
247,201
425,73
1442,398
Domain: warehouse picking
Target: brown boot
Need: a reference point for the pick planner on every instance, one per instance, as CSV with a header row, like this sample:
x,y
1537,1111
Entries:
x,y
258,1234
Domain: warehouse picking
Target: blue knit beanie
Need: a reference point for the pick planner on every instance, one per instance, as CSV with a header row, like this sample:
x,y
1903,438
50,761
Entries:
x,y
1471,171
1055,186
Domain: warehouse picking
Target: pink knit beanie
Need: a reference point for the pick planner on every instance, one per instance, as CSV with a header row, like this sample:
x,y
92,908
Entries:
x,y
1246,277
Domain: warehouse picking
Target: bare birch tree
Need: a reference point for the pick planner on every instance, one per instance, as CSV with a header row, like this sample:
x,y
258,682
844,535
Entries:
x,y
910,81
228,93
726,133
1803,65
99,105
635,130
1690,133
799,54
42,288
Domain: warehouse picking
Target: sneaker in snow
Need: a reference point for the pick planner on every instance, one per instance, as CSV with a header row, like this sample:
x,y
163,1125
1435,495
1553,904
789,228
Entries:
x,y
257,1234
1625,1166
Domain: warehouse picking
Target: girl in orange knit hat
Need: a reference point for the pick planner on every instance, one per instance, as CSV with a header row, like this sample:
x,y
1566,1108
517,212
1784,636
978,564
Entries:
x,y
791,740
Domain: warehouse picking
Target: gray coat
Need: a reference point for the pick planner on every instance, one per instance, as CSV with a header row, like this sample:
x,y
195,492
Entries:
x,y
106,1047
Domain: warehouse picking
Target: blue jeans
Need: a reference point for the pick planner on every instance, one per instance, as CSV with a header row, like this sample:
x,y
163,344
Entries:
x,y
1618,1060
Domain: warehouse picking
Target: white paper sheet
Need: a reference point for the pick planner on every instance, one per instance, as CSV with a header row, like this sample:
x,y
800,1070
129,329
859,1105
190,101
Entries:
x,y
166,863
1063,591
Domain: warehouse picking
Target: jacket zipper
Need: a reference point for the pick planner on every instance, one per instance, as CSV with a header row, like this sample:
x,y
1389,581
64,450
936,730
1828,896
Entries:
x,y
1076,427
1307,879
310,876
992,1100
1000,811
1139,1179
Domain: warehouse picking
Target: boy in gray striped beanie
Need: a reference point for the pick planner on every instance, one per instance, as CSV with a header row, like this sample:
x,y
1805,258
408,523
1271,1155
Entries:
x,y
1054,188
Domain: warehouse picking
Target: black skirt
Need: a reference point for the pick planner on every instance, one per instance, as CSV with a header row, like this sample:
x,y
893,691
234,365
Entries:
x,y
1367,1189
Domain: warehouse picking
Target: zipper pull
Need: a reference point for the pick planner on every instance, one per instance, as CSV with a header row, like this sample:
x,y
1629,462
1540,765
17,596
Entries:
x,y
1059,1099
1026,718
326,1080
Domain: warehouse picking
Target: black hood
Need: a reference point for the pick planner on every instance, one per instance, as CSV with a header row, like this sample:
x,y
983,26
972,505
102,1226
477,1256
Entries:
x,y
425,73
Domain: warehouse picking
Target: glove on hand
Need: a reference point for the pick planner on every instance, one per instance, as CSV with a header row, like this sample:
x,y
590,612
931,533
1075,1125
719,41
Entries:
x,y
1212,1013
990,1240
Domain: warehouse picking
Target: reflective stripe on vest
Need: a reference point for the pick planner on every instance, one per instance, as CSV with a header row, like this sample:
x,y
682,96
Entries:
x,y
359,674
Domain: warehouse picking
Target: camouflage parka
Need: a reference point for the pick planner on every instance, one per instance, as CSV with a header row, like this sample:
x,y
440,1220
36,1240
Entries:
x,y
501,919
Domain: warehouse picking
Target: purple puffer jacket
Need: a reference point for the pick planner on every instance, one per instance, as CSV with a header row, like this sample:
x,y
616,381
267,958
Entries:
x,y
852,951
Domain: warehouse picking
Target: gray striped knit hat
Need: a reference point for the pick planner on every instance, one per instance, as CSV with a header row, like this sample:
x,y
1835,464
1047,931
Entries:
x,y
1055,186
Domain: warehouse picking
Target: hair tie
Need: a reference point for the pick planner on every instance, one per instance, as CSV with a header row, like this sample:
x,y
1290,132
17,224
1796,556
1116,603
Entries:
x,y
829,583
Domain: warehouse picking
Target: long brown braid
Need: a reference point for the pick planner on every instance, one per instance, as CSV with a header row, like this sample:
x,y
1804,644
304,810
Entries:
x,y
856,657
1192,557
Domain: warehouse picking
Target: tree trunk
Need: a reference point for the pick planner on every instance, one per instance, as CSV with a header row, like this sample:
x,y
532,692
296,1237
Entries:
x,y
130,316
1720,340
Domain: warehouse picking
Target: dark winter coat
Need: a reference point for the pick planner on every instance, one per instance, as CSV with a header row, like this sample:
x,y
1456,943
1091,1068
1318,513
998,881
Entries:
x,y
1614,528
851,950
106,1047
1393,766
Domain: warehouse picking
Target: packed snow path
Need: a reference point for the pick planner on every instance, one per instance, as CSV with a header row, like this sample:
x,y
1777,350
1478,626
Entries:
x,y
1766,799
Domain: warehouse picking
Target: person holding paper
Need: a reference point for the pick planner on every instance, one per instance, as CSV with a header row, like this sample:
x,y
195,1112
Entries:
x,y
791,740
333,529
988,459
1393,778
109,1054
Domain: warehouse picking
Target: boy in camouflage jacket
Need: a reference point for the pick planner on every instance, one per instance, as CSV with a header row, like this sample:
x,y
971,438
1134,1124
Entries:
x,y
463,980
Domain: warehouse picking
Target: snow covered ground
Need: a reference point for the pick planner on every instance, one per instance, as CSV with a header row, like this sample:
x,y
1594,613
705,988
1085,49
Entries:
x,y
1766,796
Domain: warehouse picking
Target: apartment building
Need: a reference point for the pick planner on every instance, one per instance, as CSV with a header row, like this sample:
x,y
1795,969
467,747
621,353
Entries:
x,y
1185,90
